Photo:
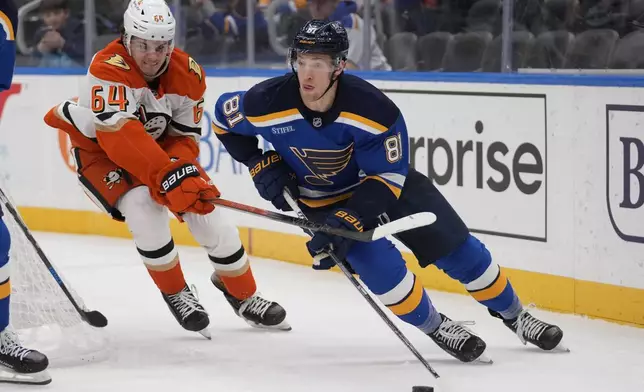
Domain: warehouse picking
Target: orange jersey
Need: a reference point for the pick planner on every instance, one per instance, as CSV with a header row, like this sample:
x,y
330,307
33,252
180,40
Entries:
x,y
118,112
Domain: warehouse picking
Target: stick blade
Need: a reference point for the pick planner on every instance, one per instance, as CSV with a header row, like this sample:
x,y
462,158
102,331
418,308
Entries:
x,y
408,222
95,318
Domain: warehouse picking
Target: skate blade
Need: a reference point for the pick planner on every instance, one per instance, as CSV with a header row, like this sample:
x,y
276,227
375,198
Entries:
x,y
484,358
283,326
561,348
12,377
206,333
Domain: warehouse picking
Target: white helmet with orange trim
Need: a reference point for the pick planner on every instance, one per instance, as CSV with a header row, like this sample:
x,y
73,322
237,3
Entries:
x,y
150,20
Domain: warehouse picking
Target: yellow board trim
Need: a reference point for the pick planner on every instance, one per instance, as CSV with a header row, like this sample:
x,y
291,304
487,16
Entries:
x,y
98,223
614,303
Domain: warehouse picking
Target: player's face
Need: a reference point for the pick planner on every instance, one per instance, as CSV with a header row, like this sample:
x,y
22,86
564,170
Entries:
x,y
314,72
149,55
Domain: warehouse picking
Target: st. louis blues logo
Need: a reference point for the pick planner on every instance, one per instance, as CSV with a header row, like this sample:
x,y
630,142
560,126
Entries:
x,y
323,163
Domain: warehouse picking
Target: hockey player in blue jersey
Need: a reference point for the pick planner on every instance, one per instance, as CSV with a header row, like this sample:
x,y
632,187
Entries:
x,y
18,364
341,148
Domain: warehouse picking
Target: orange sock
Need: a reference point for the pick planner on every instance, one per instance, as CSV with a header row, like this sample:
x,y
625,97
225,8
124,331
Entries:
x,y
235,273
168,277
240,286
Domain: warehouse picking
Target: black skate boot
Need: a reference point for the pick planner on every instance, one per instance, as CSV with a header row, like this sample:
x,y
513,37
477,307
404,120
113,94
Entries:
x,y
256,311
185,307
532,330
19,364
459,342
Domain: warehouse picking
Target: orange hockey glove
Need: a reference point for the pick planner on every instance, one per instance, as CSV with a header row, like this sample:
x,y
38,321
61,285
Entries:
x,y
186,189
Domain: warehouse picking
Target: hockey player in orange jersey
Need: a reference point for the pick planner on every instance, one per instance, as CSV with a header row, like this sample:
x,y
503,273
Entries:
x,y
135,130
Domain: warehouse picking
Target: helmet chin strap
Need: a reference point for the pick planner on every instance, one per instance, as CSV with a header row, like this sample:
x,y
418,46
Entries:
x,y
331,83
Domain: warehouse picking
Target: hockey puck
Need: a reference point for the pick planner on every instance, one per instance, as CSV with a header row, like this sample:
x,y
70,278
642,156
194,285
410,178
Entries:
x,y
422,388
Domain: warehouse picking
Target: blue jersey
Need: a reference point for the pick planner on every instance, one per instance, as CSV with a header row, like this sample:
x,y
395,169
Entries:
x,y
8,27
357,150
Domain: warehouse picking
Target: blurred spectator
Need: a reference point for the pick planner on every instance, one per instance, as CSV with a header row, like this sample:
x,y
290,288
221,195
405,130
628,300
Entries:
x,y
290,17
60,42
346,13
417,16
109,14
231,20
202,9
607,14
562,15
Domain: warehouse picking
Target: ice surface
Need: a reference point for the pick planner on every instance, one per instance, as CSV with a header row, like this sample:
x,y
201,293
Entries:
x,y
337,343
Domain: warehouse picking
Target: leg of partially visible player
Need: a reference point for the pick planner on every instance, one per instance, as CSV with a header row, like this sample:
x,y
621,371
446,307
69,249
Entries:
x,y
18,364
449,246
233,275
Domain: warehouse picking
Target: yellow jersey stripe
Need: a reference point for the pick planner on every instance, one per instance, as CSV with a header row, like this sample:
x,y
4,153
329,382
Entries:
x,y
363,120
8,26
396,191
218,130
315,203
273,116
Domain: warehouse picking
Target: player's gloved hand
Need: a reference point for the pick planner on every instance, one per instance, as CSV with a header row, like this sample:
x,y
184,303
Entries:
x,y
186,188
322,261
271,175
341,218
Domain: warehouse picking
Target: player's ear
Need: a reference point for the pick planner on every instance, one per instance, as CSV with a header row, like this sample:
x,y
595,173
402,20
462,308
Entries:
x,y
340,68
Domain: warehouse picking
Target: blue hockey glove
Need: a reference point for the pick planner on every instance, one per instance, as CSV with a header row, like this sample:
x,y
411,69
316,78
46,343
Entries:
x,y
320,242
271,175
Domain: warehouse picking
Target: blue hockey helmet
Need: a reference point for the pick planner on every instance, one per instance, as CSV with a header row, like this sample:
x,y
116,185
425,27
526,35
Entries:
x,y
321,36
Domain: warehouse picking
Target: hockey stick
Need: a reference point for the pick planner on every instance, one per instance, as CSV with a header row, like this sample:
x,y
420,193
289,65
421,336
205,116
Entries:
x,y
393,227
92,317
343,267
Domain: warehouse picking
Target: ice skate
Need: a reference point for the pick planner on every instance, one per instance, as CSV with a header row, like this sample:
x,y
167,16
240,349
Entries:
x,y
21,365
256,311
185,307
459,342
530,329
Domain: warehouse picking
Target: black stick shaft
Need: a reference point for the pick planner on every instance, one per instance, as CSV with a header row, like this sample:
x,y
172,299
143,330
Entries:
x,y
303,223
93,318
345,270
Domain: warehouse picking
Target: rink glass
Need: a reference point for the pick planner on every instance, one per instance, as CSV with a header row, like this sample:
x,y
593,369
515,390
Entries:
x,y
549,36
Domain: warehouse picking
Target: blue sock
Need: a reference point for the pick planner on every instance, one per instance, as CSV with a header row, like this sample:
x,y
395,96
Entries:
x,y
383,270
472,265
